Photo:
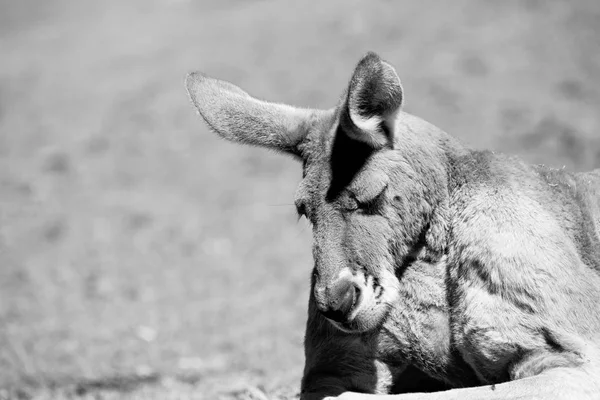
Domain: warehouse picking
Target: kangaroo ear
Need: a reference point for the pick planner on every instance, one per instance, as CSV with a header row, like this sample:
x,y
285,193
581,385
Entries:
x,y
373,102
237,116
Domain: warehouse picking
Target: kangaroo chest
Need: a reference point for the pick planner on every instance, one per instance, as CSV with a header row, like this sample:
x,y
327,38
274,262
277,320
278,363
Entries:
x,y
419,329
450,325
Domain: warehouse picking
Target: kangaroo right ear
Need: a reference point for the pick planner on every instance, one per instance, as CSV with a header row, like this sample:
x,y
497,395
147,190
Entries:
x,y
374,99
237,116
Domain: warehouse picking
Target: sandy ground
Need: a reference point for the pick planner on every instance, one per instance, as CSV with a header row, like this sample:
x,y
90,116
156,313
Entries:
x,y
142,257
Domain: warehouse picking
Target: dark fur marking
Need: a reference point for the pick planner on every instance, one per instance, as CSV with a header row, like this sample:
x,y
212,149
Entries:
x,y
348,157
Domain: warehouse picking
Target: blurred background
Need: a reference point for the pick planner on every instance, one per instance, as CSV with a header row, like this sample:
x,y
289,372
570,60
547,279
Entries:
x,y
143,257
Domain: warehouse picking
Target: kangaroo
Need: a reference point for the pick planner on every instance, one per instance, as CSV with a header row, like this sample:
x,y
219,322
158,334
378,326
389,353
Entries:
x,y
440,272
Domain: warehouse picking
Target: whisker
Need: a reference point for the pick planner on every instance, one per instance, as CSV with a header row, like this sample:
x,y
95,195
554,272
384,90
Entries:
x,y
306,224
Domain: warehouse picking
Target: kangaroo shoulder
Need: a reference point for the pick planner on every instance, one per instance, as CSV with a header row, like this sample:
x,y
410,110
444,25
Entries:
x,y
500,202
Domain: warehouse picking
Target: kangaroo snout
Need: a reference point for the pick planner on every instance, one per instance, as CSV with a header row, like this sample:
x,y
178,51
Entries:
x,y
337,300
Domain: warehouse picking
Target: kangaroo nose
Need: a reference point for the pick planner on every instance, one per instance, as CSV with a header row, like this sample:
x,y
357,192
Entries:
x,y
341,297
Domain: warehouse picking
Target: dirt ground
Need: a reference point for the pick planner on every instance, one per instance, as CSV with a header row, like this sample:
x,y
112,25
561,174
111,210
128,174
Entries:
x,y
141,256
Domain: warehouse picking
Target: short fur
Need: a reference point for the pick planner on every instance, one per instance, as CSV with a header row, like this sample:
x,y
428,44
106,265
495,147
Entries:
x,y
477,273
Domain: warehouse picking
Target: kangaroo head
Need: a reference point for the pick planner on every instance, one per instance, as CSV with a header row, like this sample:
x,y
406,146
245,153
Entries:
x,y
373,183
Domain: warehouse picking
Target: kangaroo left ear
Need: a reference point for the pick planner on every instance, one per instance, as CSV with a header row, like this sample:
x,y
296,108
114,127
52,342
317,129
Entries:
x,y
374,99
235,115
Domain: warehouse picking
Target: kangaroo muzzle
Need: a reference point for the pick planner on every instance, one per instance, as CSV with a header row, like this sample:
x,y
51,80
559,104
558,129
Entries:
x,y
337,299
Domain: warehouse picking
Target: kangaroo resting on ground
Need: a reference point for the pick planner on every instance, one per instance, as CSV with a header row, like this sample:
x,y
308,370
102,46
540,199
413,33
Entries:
x,y
436,267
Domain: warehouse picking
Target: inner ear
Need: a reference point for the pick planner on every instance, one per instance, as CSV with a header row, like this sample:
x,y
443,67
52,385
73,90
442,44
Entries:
x,y
373,102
